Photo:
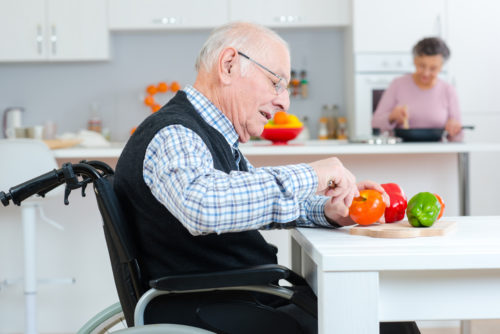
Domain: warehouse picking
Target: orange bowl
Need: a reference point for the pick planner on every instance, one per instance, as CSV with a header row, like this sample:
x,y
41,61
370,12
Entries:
x,y
280,136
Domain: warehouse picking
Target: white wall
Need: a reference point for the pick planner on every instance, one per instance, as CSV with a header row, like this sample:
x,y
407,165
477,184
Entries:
x,y
63,92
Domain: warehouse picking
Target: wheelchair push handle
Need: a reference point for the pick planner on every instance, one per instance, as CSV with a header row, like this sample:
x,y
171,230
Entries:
x,y
26,189
69,174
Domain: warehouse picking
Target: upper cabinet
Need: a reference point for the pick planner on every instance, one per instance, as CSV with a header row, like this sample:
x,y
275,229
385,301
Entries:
x,y
61,30
292,13
474,31
166,14
396,25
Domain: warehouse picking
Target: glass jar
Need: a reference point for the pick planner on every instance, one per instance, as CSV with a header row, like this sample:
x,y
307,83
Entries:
x,y
323,128
330,112
95,124
342,128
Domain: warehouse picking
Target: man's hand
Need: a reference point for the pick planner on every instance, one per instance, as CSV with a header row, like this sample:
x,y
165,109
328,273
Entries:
x,y
339,214
336,181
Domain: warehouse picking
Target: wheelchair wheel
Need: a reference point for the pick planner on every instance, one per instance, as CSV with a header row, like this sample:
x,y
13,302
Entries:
x,y
107,321
112,320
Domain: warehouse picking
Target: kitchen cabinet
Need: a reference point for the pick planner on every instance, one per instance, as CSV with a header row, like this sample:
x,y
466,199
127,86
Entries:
x,y
396,25
292,13
166,14
53,30
474,34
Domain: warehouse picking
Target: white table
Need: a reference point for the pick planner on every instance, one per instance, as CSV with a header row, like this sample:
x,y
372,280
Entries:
x,y
361,280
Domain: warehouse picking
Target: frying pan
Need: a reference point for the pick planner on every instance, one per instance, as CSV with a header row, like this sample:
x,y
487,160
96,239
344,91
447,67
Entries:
x,y
423,134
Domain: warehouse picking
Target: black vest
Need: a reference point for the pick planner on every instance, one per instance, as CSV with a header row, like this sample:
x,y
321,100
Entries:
x,y
164,244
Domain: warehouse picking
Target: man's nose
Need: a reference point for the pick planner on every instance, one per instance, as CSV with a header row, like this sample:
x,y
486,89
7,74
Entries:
x,y
282,101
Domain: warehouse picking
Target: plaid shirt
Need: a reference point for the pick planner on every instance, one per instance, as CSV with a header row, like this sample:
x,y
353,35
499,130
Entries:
x,y
178,168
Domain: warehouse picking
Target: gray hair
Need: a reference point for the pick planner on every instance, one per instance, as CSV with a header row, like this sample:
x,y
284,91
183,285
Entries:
x,y
243,36
431,46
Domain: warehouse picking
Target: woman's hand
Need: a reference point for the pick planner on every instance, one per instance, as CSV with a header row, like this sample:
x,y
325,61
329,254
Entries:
x,y
337,213
399,115
453,127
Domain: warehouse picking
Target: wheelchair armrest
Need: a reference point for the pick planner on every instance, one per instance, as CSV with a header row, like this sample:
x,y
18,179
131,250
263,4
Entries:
x,y
257,275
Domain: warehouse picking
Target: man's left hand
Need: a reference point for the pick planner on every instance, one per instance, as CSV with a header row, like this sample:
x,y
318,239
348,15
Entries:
x,y
337,212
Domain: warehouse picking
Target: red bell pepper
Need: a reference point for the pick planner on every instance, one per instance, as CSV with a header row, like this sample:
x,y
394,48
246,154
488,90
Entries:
x,y
396,210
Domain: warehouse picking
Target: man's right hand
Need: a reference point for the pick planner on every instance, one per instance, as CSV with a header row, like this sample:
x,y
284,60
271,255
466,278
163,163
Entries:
x,y
343,188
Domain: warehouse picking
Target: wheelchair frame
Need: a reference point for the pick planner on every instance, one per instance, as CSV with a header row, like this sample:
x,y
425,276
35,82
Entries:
x,y
260,279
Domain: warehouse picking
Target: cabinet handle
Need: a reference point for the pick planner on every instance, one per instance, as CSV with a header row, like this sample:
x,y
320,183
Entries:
x,y
53,39
379,81
288,18
439,28
167,20
39,39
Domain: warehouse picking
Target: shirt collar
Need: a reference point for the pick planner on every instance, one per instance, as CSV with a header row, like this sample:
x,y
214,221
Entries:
x,y
212,115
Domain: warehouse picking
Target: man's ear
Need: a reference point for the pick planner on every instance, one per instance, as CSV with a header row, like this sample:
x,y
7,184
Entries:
x,y
228,65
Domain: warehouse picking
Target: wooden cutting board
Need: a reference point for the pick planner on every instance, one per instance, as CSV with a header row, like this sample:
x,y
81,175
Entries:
x,y
61,143
403,229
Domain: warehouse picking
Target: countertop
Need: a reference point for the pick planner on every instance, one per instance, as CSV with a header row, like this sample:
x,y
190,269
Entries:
x,y
312,147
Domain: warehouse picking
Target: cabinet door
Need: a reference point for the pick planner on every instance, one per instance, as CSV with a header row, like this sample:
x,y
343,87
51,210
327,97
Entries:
x,y
474,62
396,25
166,14
22,28
292,13
77,30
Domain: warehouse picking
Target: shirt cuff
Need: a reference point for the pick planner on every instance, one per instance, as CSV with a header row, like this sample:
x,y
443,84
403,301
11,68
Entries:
x,y
315,212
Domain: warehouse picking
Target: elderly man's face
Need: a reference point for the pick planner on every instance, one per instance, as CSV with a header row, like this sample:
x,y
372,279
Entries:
x,y
257,97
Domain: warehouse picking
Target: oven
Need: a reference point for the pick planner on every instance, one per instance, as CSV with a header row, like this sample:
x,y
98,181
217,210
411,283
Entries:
x,y
373,73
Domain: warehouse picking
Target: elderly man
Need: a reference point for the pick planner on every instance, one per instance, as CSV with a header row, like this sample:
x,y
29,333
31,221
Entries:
x,y
198,203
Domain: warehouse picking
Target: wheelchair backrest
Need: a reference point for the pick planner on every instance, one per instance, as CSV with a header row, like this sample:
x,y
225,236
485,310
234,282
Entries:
x,y
121,247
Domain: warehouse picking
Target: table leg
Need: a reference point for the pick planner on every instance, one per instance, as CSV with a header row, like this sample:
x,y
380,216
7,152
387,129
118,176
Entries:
x,y
465,327
296,256
463,183
28,214
340,295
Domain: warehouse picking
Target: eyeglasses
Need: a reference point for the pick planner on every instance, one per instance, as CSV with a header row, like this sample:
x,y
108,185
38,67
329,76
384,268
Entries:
x,y
279,86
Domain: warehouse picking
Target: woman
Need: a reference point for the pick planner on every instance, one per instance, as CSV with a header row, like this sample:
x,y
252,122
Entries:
x,y
421,99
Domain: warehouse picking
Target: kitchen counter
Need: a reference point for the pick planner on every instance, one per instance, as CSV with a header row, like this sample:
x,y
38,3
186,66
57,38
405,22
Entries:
x,y
399,162
313,147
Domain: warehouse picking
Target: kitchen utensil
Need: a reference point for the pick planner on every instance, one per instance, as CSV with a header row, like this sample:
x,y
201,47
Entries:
x,y
376,140
12,119
49,130
403,229
280,136
423,134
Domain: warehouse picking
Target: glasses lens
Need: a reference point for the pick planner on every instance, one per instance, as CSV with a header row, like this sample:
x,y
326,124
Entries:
x,y
280,86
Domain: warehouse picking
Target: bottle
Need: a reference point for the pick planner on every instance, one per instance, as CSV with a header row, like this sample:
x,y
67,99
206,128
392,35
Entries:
x,y
304,92
94,123
323,129
294,84
341,128
330,112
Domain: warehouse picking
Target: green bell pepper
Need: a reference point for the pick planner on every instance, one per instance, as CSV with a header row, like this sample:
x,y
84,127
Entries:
x,y
423,209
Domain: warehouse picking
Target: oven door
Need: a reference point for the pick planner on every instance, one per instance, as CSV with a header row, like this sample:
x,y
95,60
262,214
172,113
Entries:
x,y
368,91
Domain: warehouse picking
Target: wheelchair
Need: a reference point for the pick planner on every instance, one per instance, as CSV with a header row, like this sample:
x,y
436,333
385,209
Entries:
x,y
137,298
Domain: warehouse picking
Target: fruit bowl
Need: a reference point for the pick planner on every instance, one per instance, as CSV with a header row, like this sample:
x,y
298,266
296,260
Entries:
x,y
280,136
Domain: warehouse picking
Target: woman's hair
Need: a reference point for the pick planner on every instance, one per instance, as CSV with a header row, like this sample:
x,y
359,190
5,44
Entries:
x,y
248,38
431,46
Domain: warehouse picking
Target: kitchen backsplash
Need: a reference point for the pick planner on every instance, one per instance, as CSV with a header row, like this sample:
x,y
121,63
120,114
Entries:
x,y
70,93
